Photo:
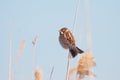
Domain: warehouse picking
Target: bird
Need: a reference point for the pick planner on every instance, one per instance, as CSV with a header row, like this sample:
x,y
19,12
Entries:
x,y
67,41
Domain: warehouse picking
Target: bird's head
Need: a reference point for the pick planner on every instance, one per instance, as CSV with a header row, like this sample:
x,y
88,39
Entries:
x,y
63,30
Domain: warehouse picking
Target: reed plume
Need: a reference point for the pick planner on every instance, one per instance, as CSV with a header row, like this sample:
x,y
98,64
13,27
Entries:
x,y
85,64
38,74
83,69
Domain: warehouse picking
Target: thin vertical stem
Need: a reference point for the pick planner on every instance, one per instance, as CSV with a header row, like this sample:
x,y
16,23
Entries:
x,y
10,59
33,64
34,54
51,73
75,17
68,65
18,56
88,27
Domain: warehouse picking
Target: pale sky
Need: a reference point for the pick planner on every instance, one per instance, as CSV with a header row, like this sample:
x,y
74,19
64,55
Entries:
x,y
26,18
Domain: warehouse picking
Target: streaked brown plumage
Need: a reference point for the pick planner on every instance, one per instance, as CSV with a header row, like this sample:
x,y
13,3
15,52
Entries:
x,y
67,41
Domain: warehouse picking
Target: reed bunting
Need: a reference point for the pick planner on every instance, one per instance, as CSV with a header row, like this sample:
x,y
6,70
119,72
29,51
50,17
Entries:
x,y
67,41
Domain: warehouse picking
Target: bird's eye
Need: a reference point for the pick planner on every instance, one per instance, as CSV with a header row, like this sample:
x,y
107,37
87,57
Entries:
x,y
61,33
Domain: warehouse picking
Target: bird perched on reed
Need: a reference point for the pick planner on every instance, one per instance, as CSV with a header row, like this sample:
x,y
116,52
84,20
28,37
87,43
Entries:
x,y
67,41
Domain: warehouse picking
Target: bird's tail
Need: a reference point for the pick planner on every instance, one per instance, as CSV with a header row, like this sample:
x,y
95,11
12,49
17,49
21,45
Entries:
x,y
79,50
75,50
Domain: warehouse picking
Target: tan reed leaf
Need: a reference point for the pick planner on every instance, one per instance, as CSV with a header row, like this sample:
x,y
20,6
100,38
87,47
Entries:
x,y
35,40
22,46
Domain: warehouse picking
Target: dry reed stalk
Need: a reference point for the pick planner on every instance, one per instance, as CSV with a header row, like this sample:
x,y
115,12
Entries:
x,y
34,58
74,24
18,55
68,65
34,42
88,26
10,50
75,16
51,73
10,61
89,36
38,74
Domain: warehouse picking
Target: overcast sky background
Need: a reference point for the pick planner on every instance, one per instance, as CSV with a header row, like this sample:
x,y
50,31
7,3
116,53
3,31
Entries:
x,y
26,18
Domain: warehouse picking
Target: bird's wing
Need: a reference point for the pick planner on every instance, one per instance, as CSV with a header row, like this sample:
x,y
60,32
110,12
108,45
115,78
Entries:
x,y
70,38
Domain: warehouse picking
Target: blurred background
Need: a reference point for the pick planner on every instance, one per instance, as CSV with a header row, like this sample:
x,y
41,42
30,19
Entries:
x,y
24,19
